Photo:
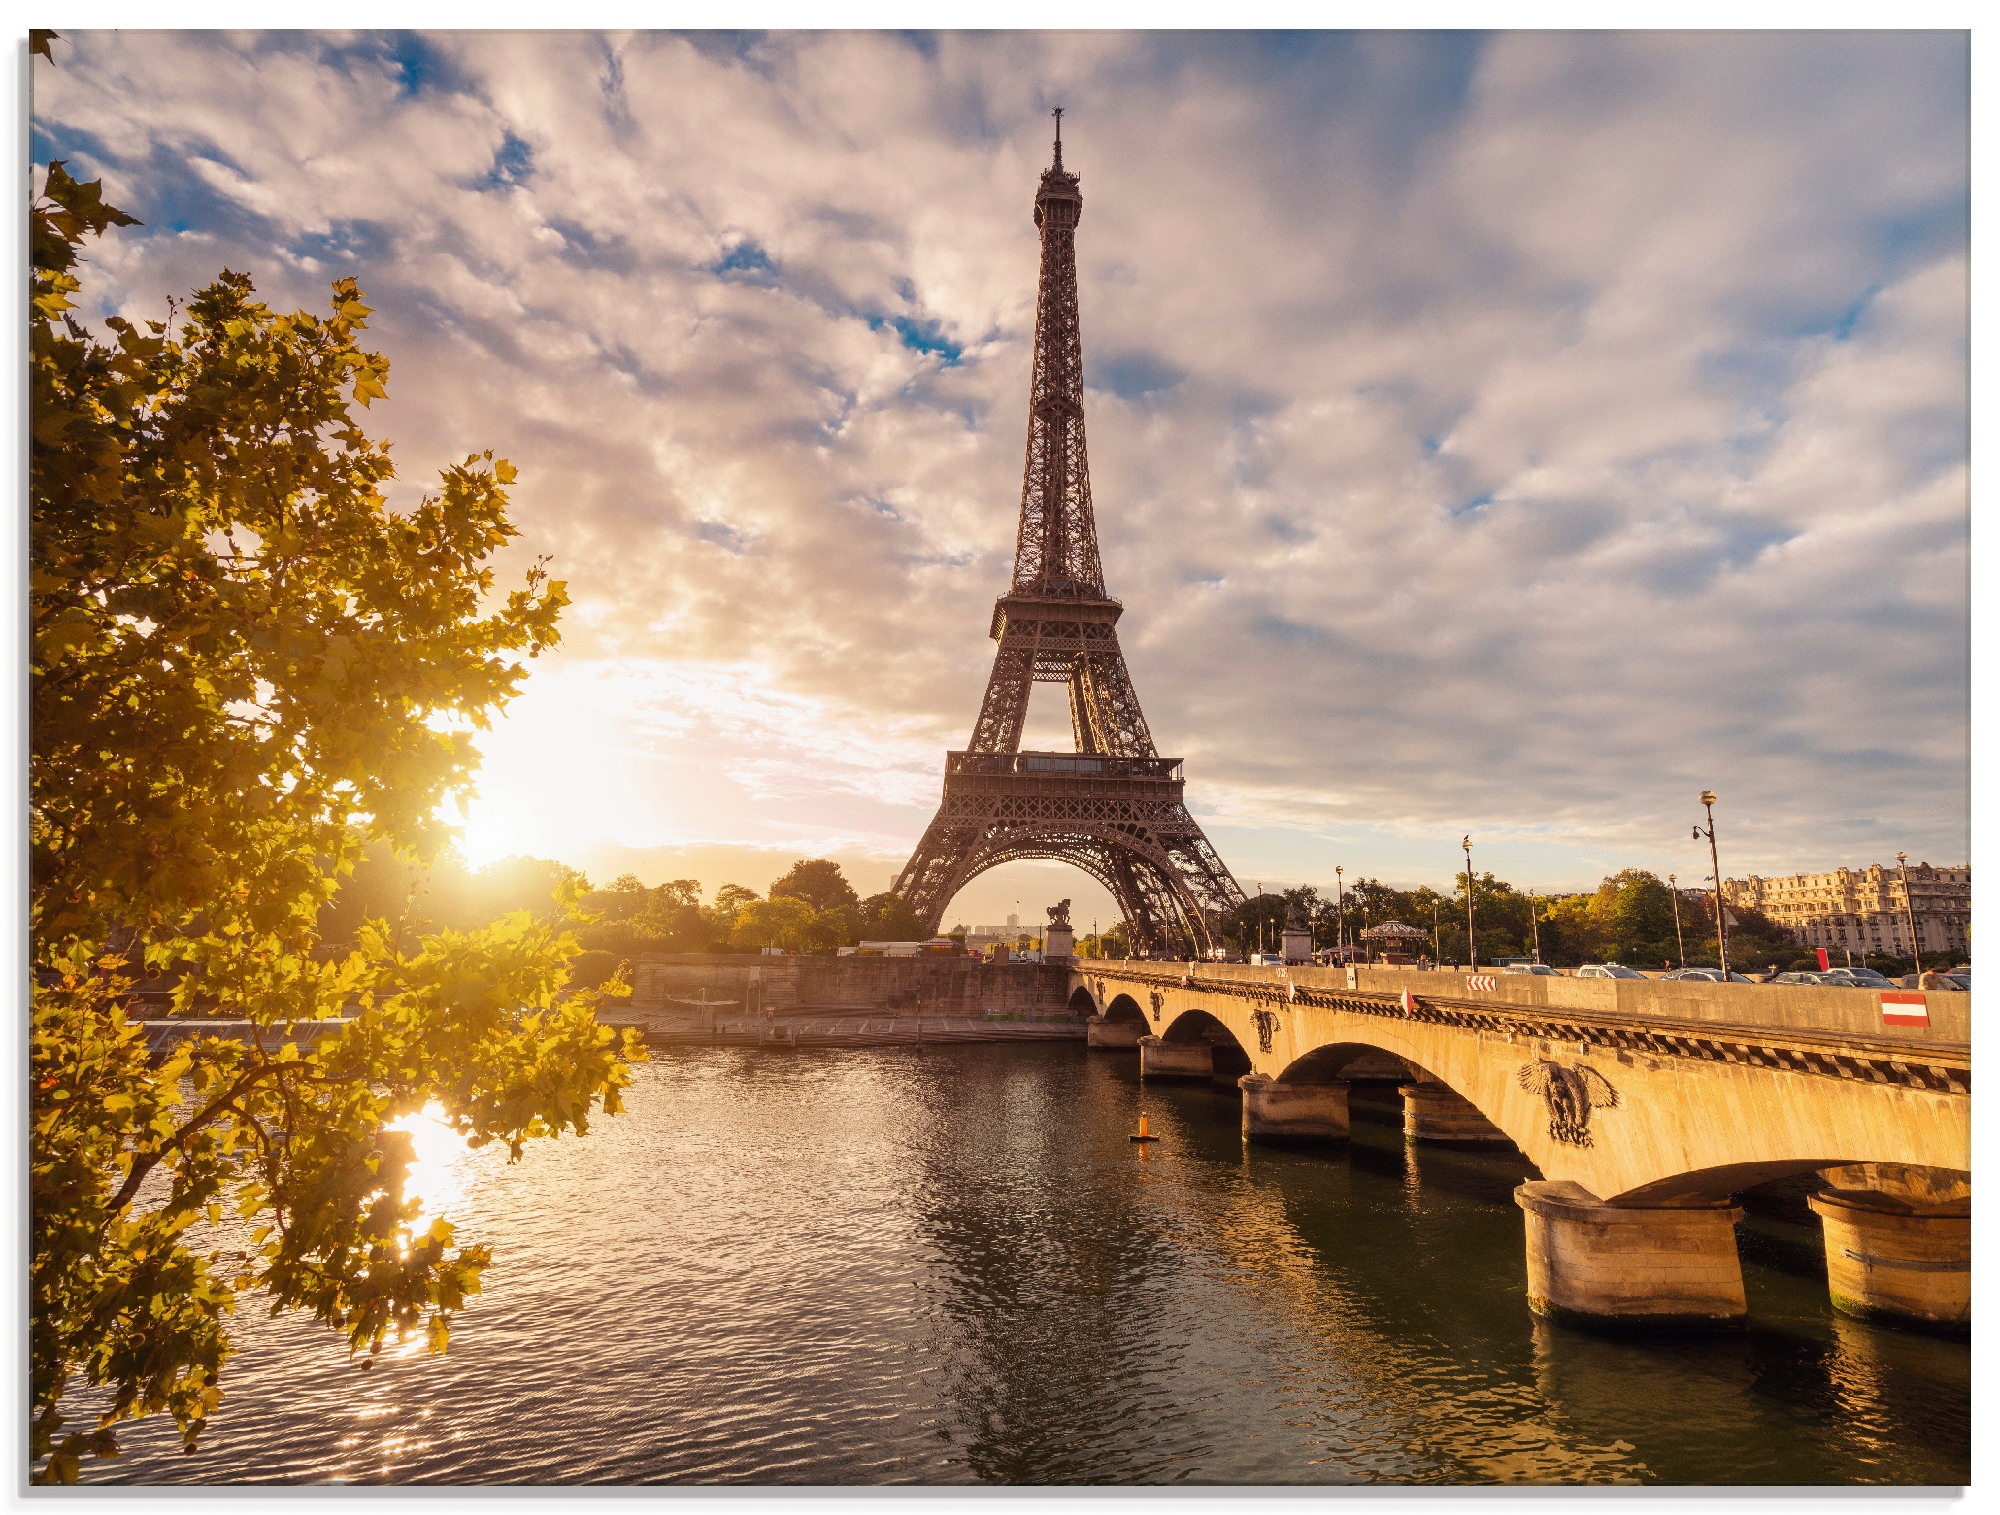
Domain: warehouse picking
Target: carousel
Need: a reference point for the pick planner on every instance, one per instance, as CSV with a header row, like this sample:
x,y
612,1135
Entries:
x,y
1394,943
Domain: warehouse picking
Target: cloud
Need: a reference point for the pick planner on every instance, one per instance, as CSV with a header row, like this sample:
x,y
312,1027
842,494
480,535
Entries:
x,y
1515,433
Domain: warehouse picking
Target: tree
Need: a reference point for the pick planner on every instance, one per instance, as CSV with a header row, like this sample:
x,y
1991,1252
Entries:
x,y
888,917
1572,932
1256,924
245,668
731,898
785,923
1638,909
629,919
818,882
1114,942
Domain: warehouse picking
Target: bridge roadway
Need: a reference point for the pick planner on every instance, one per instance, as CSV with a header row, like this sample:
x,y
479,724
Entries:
x,y
1646,1106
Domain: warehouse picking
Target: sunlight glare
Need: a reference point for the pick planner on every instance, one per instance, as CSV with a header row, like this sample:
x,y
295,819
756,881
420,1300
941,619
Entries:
x,y
439,1176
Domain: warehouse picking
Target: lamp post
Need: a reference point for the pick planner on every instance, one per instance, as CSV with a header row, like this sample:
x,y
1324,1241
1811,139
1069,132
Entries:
x,y
1437,945
1715,862
1909,910
1680,942
1535,923
1340,910
1471,941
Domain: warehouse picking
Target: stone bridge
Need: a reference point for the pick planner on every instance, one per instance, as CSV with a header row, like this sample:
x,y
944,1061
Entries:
x,y
1646,1106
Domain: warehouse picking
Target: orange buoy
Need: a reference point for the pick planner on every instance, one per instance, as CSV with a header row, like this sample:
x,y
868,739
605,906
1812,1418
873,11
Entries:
x,y
1142,1136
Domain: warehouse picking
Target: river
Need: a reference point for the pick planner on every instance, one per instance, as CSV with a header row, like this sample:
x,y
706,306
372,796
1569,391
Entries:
x,y
948,1265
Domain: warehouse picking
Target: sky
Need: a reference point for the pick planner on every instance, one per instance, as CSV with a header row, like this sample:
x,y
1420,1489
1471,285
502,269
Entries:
x,y
1498,434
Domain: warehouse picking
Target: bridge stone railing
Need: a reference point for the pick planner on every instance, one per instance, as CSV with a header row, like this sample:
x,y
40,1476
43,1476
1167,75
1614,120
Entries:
x,y
1777,1007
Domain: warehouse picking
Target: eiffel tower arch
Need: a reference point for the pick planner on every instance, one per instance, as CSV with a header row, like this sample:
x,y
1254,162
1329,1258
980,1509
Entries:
x,y
1113,807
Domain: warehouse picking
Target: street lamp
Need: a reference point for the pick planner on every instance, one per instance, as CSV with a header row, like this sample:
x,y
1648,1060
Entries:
x,y
1471,941
1909,910
1680,942
1340,910
1535,923
1721,926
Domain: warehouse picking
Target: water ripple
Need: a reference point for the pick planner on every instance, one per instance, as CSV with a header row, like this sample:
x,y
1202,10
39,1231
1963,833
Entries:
x,y
884,1266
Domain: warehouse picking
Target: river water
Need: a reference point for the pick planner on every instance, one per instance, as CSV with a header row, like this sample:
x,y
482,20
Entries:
x,y
949,1265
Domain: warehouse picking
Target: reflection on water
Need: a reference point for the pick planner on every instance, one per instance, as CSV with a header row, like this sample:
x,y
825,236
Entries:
x,y
950,1265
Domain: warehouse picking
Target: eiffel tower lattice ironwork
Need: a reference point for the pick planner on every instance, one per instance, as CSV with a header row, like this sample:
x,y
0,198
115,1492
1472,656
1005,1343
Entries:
x,y
1113,807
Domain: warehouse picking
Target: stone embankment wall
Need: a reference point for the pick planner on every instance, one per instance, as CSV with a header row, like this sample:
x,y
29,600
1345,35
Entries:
x,y
1799,1007
794,986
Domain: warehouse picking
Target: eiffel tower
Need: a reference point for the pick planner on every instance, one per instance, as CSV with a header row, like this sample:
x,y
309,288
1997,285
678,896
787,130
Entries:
x,y
1113,807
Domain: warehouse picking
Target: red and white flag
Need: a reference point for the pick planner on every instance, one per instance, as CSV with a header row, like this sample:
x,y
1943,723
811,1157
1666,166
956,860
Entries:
x,y
1904,1009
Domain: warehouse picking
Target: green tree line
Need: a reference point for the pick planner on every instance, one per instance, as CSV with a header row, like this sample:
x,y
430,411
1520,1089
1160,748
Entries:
x,y
810,908
1629,918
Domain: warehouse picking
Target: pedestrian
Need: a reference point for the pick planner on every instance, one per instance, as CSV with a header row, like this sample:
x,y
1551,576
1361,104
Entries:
x,y
1931,981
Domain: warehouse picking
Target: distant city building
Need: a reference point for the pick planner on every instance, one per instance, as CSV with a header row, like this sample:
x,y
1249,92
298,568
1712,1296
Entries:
x,y
1862,908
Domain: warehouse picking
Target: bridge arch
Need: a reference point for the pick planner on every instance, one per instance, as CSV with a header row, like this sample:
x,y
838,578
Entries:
x,y
1124,1008
1082,1002
1197,1025
1917,1186
1331,1064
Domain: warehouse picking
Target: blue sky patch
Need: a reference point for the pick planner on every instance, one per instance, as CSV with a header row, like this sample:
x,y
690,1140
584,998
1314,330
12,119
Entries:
x,y
919,336
1132,375
744,258
513,164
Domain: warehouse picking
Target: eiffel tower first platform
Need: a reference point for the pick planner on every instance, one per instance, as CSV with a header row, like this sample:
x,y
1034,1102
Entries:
x,y
1113,807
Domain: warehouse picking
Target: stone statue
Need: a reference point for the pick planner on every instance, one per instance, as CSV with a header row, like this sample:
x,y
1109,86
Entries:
x,y
1059,914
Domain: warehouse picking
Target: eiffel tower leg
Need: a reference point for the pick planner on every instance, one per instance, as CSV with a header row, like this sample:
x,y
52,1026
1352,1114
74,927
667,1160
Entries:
x,y
1004,710
931,877
1115,714
1083,708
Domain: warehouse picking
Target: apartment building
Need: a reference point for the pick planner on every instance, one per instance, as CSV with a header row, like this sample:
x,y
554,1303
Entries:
x,y
1862,909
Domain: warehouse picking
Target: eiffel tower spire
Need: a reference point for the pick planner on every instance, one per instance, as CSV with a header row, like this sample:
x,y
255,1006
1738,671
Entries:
x,y
1113,807
1056,553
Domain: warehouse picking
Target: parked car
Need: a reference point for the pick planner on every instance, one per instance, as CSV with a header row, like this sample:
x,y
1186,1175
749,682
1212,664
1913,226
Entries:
x,y
1606,970
1539,970
1706,976
1956,981
1868,978
1828,980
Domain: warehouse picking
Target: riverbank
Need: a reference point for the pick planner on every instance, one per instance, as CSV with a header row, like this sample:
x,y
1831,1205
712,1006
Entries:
x,y
840,1029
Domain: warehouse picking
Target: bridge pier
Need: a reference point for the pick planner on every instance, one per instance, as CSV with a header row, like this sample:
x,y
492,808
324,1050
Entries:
x,y
1292,1112
1621,1267
1897,1268
1433,1113
1120,1036
1165,1059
